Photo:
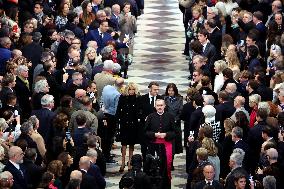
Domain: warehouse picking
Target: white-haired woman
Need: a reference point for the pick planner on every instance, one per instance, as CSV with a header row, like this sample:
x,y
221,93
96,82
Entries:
x,y
2,155
41,88
92,62
209,113
253,104
127,114
274,57
219,66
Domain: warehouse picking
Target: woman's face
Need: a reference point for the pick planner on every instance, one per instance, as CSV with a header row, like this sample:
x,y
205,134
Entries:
x,y
65,9
92,55
89,8
171,92
241,183
126,9
69,161
216,69
54,36
195,14
278,19
131,91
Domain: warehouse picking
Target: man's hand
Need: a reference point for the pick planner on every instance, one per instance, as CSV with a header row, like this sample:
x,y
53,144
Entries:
x,y
65,77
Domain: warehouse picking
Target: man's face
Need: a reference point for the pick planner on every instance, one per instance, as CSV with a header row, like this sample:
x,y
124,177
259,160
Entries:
x,y
93,88
209,172
202,39
196,77
19,157
102,17
38,9
274,6
78,80
278,19
154,90
210,14
126,9
104,27
160,106
75,55
97,2
249,42
69,39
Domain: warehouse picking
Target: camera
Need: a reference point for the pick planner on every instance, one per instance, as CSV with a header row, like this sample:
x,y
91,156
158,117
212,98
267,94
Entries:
x,y
68,136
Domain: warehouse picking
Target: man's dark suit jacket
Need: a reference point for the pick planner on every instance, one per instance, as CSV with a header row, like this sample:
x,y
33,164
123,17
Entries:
x,y
225,109
195,120
144,109
215,39
230,184
45,117
94,171
200,185
33,53
245,147
94,35
34,171
88,181
20,182
210,53
113,22
23,97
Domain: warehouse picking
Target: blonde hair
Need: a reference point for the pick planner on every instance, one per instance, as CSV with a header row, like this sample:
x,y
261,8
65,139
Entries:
x,y
131,85
88,50
210,146
197,8
221,65
228,125
202,153
232,58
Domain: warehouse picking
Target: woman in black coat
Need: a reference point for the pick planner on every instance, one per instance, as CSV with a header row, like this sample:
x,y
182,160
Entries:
x,y
128,121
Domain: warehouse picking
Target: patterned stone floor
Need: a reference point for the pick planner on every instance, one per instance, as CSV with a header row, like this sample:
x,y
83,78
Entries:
x,y
157,57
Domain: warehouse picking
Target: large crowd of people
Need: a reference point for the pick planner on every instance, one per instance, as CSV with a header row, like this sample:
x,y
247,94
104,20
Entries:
x,y
64,101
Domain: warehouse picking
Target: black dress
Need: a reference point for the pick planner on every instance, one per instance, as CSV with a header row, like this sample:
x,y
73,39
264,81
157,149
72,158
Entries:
x,y
127,112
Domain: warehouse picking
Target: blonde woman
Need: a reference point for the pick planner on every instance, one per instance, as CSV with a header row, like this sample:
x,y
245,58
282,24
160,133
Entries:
x,y
212,150
127,114
219,66
92,62
232,59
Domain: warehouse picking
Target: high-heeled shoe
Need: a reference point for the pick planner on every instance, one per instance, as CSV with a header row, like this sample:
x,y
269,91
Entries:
x,y
121,169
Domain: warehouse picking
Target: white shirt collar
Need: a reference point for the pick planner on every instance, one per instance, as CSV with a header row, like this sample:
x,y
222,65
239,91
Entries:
x,y
15,164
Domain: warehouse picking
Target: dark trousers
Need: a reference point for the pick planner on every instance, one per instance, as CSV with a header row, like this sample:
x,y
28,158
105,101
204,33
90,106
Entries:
x,y
107,134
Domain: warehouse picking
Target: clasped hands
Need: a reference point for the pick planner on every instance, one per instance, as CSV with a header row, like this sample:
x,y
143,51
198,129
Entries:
x,y
160,135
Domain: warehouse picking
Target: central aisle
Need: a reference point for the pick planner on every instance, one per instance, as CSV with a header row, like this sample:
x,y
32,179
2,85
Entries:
x,y
158,46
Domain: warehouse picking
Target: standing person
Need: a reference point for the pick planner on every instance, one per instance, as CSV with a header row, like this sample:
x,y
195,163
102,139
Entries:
x,y
174,105
146,107
128,28
128,119
160,132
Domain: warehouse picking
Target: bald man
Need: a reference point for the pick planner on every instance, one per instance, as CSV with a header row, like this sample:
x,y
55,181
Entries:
x,y
88,181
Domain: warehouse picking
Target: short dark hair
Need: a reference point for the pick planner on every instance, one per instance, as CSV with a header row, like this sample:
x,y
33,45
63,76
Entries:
x,y
198,99
253,51
253,84
262,113
252,36
258,15
71,16
81,119
204,32
205,81
153,83
267,130
212,23
228,73
30,153
224,96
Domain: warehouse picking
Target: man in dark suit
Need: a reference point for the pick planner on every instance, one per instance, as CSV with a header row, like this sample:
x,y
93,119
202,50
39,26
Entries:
x,y
208,172
259,25
94,169
226,107
72,25
209,49
15,167
101,36
114,19
23,91
146,106
62,50
96,4
197,115
215,36
88,181
235,164
45,116
34,171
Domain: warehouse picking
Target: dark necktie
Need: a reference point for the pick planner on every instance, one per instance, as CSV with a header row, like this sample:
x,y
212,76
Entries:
x,y
101,36
152,101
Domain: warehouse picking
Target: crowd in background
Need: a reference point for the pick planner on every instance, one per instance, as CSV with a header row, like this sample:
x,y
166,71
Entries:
x,y
64,101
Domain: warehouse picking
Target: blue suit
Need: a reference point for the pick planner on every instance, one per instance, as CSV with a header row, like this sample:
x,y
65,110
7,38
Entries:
x,y
113,22
94,35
